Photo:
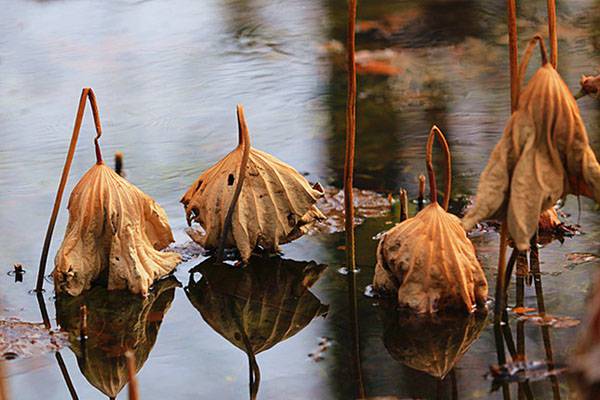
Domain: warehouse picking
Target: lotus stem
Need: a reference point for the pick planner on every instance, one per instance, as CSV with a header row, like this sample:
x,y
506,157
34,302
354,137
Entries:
x,y
527,56
350,137
85,93
435,132
552,33
3,385
421,198
403,205
134,393
513,54
501,278
244,142
83,328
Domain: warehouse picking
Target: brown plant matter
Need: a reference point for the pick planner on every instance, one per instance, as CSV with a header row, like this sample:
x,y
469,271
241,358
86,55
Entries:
x,y
543,155
590,85
118,322
434,343
428,259
269,204
115,231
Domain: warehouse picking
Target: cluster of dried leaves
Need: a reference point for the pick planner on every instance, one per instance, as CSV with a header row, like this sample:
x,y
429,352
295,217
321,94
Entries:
x,y
543,155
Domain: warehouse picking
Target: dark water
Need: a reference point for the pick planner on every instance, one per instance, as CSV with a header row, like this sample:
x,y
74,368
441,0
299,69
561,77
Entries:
x,y
168,76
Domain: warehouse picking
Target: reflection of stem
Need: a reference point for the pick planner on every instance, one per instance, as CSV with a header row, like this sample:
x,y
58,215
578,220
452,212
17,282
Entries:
x,y
61,363
524,387
520,289
537,278
85,93
501,278
253,368
501,356
360,390
454,385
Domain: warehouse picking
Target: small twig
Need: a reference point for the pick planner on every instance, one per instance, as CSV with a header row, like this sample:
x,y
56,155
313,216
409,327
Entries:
x,y
85,93
552,33
421,198
435,132
403,205
244,143
134,393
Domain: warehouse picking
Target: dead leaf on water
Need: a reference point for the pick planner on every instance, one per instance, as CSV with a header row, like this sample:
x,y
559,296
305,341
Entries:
x,y
20,339
550,320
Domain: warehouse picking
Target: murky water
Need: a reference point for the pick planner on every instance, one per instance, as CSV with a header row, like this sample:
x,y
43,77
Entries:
x,y
168,76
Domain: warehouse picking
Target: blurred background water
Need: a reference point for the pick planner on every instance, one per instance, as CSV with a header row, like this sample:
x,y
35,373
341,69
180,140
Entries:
x,y
168,76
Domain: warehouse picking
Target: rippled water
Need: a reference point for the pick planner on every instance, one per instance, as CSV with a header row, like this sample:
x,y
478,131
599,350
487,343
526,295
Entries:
x,y
168,76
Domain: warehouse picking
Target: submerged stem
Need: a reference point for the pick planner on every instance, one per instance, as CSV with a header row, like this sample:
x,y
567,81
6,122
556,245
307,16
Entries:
x,y
435,132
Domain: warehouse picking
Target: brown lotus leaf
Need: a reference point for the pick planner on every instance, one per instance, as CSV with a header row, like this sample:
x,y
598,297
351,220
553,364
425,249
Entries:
x,y
270,204
260,305
543,155
114,236
428,260
549,220
432,344
116,322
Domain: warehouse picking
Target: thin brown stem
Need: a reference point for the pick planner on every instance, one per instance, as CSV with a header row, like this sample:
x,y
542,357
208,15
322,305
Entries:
x,y
3,385
435,132
501,278
421,198
537,39
134,393
350,138
552,34
244,143
403,205
85,93
513,54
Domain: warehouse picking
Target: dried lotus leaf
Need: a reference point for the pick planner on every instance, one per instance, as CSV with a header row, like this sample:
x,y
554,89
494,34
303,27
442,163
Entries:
x,y
270,204
115,233
266,303
590,85
431,344
543,155
116,322
428,261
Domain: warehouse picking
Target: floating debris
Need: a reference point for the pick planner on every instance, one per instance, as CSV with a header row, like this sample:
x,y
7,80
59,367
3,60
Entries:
x,y
522,371
549,320
370,292
20,339
18,271
188,250
367,204
590,85
346,270
576,259
323,345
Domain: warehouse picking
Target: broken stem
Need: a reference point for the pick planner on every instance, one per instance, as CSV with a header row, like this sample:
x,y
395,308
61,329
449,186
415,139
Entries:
x,y
350,138
244,143
552,33
421,198
403,205
513,54
435,132
85,93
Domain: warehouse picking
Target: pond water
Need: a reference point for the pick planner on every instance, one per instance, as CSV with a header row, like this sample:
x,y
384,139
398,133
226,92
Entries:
x,y
168,76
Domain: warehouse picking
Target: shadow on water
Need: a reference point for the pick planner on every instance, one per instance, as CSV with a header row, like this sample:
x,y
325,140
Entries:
x,y
257,306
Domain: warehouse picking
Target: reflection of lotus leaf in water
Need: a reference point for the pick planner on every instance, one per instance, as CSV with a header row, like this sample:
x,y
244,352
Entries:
x,y
260,305
117,321
432,344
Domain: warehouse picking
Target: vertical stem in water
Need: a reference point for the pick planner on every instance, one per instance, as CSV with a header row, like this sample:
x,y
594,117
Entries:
x,y
513,54
350,138
552,33
3,385
501,278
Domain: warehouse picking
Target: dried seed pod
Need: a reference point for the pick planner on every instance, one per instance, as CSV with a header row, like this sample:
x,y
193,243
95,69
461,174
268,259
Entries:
x,y
250,199
543,155
427,260
115,232
118,322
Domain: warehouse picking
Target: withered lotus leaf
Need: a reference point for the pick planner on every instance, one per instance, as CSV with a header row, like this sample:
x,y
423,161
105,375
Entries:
x,y
256,307
116,323
543,155
250,199
590,85
428,261
115,233
432,344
